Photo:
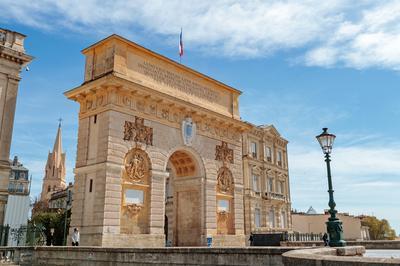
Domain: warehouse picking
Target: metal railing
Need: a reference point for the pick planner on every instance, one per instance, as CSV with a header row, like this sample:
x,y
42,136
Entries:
x,y
303,237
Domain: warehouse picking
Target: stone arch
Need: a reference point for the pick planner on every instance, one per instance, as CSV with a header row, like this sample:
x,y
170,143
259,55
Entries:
x,y
192,153
184,199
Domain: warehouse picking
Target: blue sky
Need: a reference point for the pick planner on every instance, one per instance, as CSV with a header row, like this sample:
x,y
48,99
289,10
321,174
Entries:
x,y
301,66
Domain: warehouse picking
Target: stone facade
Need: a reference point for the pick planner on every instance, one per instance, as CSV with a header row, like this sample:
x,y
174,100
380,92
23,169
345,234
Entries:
x,y
160,152
267,192
316,223
12,60
19,182
62,199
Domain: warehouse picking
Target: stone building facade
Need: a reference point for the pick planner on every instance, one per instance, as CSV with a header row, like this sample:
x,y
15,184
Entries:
x,y
19,182
160,152
310,222
267,201
12,60
62,198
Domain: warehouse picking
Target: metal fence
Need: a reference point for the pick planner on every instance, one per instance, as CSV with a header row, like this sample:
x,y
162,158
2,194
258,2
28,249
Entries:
x,y
293,237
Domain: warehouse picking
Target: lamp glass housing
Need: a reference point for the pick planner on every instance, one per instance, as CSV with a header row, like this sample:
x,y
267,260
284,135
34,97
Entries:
x,y
326,140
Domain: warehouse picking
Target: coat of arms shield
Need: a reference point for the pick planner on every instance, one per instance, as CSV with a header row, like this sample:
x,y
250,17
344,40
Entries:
x,y
188,131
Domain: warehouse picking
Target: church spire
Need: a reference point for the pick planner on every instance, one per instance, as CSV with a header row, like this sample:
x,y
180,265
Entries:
x,y
57,149
54,178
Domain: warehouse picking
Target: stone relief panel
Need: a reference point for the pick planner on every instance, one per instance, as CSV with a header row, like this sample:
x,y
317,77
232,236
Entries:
x,y
135,192
224,180
223,153
137,165
138,132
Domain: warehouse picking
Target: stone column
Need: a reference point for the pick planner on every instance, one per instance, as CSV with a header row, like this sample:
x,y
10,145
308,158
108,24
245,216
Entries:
x,y
12,60
157,201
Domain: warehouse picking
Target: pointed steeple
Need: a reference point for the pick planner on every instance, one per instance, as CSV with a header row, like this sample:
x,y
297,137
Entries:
x,y
57,149
54,178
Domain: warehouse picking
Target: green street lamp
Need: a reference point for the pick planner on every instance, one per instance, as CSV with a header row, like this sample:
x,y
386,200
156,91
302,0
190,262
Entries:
x,y
334,225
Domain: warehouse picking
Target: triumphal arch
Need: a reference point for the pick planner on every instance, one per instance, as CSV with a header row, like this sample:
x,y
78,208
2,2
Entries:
x,y
159,156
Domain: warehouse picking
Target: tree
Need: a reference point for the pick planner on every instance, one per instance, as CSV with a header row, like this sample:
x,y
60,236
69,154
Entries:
x,y
378,229
53,220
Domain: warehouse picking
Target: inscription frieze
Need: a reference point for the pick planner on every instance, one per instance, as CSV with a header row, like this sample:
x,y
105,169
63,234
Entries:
x,y
177,81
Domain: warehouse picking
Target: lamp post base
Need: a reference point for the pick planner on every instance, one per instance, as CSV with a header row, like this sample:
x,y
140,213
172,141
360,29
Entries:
x,y
335,231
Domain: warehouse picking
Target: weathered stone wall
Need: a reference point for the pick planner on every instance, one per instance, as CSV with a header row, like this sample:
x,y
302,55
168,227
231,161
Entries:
x,y
269,256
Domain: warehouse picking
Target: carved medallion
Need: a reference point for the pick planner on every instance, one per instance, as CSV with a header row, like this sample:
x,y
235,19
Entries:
x,y
188,131
137,165
223,153
225,180
133,209
138,132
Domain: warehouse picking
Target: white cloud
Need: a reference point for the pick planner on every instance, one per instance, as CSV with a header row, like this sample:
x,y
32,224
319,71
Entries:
x,y
365,178
362,34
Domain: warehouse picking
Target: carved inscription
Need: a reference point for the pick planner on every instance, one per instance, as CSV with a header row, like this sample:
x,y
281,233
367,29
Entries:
x,y
223,153
177,81
138,132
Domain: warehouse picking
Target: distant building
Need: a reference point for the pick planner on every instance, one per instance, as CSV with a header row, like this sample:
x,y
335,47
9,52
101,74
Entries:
x,y
18,204
60,198
19,178
267,202
54,179
313,222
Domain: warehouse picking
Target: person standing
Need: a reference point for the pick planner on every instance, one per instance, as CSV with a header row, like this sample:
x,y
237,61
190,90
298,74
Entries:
x,y
75,237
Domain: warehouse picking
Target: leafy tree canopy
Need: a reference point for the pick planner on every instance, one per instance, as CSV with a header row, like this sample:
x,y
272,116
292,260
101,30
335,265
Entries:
x,y
379,229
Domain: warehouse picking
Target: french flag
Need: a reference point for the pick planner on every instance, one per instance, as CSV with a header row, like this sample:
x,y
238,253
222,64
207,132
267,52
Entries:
x,y
180,44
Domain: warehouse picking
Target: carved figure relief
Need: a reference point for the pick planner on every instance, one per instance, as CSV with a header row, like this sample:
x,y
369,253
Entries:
x,y
223,153
225,180
137,165
138,132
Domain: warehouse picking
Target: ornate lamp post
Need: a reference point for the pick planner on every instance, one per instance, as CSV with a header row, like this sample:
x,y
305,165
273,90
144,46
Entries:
x,y
334,225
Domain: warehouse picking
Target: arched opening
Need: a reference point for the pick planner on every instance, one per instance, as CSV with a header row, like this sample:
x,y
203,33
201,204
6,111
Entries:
x,y
183,200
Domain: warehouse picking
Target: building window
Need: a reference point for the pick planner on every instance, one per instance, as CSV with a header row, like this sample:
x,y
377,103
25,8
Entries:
x,y
268,154
272,218
279,158
12,176
257,217
283,219
20,188
95,119
270,185
48,188
90,185
22,175
223,205
256,186
134,196
253,149
281,187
